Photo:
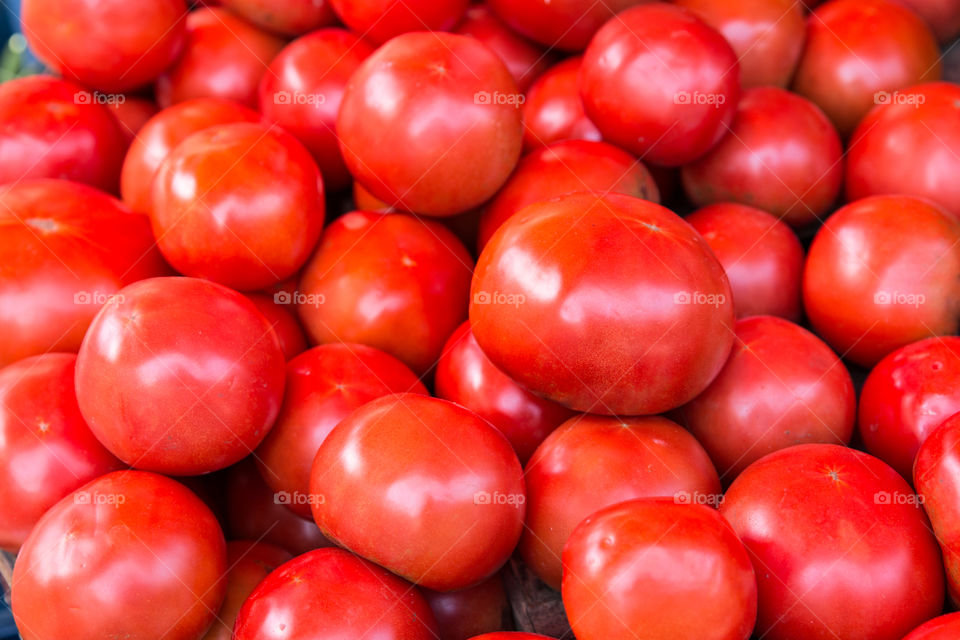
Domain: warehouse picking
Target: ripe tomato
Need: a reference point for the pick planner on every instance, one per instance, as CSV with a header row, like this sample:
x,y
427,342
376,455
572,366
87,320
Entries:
x,y
286,17
541,305
781,386
283,319
180,376
882,273
420,486
840,547
466,613
561,24
592,462
330,593
553,109
112,45
390,281
945,627
126,540
381,20
908,146
666,112
240,204
695,576
943,16
782,155
132,113
46,449
448,84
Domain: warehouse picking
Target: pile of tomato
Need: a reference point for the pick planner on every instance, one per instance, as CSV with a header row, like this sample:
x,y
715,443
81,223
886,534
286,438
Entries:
x,y
431,320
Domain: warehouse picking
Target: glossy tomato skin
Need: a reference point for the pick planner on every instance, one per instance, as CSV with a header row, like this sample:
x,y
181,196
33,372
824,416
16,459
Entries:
x,y
909,147
324,385
592,462
541,304
943,16
553,109
781,386
695,575
563,24
282,318
450,84
330,593
469,612
387,280
839,544
46,449
224,57
64,249
286,17
53,129
668,114
858,53
240,204
945,627
423,487
381,20
180,376
112,45
801,170
881,274
162,133
125,539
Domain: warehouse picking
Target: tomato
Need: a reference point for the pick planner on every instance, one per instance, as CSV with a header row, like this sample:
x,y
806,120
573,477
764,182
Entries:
x,y
466,613
592,462
112,45
908,146
943,16
561,24
381,20
55,129
766,35
858,53
240,204
840,547
781,386
126,540
781,155
542,304
553,109
659,82
224,57
302,92
286,17
420,486
389,281
882,273
695,576
162,133
46,449
566,167
132,113
323,386
283,319
179,376
449,85
761,255
330,593
944,627
65,248
363,200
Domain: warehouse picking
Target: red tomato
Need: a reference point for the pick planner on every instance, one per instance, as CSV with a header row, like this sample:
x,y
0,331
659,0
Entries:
x,y
782,155
420,486
363,200
179,376
240,204
553,109
224,57
943,16
694,575
561,24
766,35
858,52
659,82
55,129
762,257
449,85
390,281
592,462
113,45
283,319
323,386
131,114
781,386
542,304
566,167
130,555
945,627
46,449
65,248
381,20
909,146
162,133
329,593
286,17
840,547
882,273
302,92
466,613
